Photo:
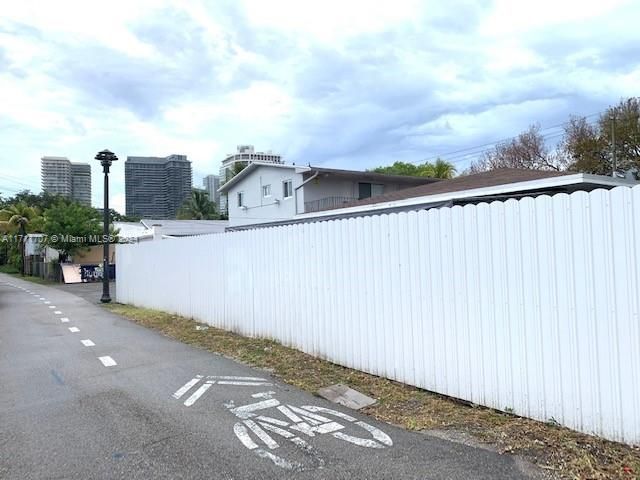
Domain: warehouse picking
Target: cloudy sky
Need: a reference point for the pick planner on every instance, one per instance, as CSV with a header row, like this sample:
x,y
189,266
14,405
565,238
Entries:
x,y
342,83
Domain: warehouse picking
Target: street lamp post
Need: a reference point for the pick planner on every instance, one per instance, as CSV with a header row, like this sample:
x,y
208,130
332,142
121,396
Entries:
x,y
106,158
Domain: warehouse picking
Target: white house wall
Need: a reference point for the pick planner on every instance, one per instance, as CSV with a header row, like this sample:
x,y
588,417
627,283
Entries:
x,y
530,306
263,209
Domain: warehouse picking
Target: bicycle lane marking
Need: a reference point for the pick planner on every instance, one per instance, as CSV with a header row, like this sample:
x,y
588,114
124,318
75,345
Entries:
x,y
186,387
254,430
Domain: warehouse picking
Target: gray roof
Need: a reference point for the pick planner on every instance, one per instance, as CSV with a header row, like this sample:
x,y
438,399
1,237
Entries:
x,y
182,228
500,176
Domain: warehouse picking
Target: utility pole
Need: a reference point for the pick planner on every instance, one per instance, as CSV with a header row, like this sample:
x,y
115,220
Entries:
x,y
613,143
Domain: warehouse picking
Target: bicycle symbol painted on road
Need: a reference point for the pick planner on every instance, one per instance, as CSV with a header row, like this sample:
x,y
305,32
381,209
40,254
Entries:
x,y
292,425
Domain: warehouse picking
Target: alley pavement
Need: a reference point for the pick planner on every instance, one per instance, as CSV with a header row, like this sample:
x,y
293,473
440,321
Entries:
x,y
86,394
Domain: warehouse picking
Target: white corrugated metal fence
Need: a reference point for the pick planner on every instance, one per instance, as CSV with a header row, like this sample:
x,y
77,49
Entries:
x,y
527,305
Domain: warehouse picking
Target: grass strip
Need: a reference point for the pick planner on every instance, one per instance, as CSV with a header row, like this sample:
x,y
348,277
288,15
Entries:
x,y
8,269
568,454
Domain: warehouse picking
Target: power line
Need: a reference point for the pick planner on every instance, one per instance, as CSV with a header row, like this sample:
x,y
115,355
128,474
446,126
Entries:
x,y
448,155
9,190
19,178
15,181
462,157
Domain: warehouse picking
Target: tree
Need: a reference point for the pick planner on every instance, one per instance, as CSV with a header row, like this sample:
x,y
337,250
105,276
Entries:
x,y
198,207
441,169
71,227
41,201
526,151
589,148
118,217
20,218
585,150
235,169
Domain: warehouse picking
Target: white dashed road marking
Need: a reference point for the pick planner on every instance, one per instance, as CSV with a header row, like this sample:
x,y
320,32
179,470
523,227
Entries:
x,y
249,384
107,361
58,312
52,306
74,329
64,320
88,343
47,302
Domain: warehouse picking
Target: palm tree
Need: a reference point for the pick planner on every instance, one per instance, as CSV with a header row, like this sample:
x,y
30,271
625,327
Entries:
x,y
443,169
19,216
198,207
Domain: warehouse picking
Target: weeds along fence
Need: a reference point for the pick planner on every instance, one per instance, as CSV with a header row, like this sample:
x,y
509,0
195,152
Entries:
x,y
527,306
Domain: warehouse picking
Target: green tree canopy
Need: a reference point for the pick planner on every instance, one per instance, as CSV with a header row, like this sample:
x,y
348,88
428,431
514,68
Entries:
x,y
71,227
443,169
198,207
118,217
439,169
585,150
20,217
588,148
41,201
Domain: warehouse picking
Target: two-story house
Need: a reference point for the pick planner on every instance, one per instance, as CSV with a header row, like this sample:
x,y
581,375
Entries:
x,y
267,192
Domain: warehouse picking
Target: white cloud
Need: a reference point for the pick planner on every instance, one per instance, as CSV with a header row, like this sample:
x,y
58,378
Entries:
x,y
510,17
349,84
331,20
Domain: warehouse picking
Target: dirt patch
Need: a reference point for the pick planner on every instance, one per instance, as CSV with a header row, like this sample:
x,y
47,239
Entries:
x,y
563,452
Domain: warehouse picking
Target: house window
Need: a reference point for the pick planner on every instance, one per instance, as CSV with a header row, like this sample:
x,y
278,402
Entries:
x,y
241,199
366,190
266,190
287,189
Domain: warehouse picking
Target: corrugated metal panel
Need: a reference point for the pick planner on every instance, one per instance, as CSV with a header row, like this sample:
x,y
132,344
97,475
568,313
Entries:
x,y
530,305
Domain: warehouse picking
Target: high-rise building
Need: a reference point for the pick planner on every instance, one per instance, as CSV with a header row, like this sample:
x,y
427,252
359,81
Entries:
x,y
211,184
156,187
70,179
245,154
81,183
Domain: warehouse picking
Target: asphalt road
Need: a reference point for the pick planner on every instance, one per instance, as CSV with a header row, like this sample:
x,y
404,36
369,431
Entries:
x,y
115,400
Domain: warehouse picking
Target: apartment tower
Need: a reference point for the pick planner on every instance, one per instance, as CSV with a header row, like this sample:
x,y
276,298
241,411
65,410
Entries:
x,y
211,184
69,179
156,187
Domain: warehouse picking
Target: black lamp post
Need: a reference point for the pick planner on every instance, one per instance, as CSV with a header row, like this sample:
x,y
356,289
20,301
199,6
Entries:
x,y
106,158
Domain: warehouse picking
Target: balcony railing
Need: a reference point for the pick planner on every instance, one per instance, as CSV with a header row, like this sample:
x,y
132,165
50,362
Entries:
x,y
327,203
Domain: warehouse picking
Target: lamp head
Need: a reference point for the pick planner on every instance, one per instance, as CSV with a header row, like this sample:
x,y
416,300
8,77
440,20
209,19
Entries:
x,y
106,157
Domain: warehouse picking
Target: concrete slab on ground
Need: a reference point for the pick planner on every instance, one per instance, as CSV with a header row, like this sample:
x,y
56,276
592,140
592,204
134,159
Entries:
x,y
348,397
